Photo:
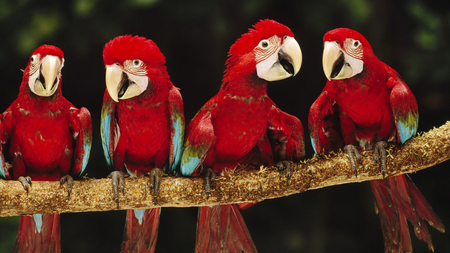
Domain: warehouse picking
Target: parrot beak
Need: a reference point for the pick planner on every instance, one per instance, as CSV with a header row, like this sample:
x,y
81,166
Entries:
x,y
284,63
337,64
123,85
47,79
113,78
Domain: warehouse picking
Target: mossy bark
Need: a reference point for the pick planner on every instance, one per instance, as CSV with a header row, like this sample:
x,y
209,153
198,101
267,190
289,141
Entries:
x,y
254,185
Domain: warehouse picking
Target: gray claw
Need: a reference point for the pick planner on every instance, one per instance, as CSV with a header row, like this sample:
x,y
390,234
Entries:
x,y
352,152
380,155
26,181
117,180
69,180
209,177
155,182
286,167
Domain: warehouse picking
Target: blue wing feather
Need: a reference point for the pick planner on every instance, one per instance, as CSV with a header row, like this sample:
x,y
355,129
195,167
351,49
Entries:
x,y
190,161
3,166
107,128
406,129
313,143
404,107
199,139
176,128
86,137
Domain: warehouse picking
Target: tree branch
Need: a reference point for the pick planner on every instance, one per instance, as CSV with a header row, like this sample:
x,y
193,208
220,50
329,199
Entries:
x,y
236,186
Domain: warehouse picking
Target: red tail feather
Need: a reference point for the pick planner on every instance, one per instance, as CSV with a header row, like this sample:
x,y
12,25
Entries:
x,y
222,229
141,237
398,200
34,238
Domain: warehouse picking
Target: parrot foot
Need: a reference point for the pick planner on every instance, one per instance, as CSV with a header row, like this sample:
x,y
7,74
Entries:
x,y
209,177
285,166
117,180
26,182
155,181
380,155
352,152
69,180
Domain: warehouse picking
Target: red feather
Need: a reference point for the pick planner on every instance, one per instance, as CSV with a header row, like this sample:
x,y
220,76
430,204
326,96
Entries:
x,y
362,110
222,229
30,240
45,139
240,125
141,131
135,238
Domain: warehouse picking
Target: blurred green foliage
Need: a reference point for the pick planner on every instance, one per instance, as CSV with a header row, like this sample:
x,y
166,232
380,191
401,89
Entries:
x,y
412,36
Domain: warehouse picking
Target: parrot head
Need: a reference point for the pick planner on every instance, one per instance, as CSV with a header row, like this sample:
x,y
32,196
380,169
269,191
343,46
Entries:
x,y
132,64
344,53
269,49
44,70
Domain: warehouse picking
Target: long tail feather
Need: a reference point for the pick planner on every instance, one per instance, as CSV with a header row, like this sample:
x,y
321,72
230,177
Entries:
x,y
39,233
141,230
398,200
222,229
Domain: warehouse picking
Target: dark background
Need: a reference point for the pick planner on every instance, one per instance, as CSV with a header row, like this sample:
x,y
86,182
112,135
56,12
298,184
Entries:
x,y
412,36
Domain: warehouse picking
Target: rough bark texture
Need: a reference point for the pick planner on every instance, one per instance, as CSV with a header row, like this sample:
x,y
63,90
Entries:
x,y
236,186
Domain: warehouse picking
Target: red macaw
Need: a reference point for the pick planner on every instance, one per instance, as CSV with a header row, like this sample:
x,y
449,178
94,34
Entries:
x,y
366,103
142,127
242,125
44,138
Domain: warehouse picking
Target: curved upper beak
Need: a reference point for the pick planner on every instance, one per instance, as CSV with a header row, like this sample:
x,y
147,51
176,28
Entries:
x,y
50,69
282,64
332,56
113,78
122,84
290,54
339,65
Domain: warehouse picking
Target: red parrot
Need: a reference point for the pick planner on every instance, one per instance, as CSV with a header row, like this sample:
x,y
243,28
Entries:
x,y
44,138
366,103
242,125
142,127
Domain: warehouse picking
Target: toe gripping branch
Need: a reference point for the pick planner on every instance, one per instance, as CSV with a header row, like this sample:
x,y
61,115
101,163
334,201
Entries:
x,y
209,177
117,180
353,153
69,180
285,166
379,156
155,182
26,182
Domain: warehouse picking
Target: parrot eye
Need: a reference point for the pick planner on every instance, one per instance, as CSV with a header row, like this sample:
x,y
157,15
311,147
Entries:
x,y
264,44
33,58
137,63
356,43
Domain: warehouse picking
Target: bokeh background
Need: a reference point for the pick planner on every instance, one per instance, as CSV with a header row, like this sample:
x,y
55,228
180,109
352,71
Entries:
x,y
412,36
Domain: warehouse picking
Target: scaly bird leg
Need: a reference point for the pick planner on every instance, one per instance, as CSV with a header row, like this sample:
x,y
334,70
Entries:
x,y
69,180
209,176
380,155
285,166
155,181
117,179
26,181
352,152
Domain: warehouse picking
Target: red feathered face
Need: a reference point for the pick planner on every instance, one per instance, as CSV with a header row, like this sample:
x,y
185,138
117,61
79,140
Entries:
x,y
44,70
344,53
129,62
270,48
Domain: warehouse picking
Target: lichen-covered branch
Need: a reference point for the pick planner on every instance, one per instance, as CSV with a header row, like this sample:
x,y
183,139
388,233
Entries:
x,y
237,186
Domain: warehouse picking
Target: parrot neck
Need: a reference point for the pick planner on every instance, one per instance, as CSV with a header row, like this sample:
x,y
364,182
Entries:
x,y
249,85
37,101
155,93
240,78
